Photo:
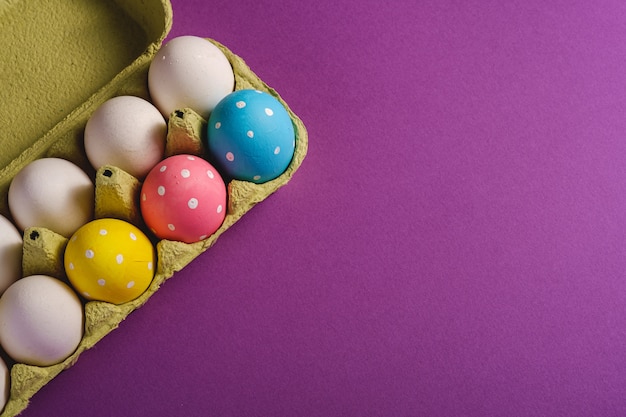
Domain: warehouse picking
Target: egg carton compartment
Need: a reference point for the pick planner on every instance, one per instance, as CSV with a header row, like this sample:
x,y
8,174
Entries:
x,y
117,196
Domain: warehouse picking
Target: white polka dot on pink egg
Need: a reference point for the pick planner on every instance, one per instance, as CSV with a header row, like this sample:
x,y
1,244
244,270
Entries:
x,y
183,199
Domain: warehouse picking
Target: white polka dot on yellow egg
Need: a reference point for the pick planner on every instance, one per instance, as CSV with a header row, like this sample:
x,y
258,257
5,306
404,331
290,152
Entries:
x,y
110,260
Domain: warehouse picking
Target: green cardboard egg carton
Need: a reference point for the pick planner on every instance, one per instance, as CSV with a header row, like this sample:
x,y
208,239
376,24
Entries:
x,y
60,60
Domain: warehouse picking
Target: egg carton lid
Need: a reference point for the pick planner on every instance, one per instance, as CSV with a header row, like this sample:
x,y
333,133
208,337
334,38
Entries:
x,y
60,60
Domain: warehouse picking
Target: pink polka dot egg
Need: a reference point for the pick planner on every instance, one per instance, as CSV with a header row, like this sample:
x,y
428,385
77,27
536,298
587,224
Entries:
x,y
251,136
183,198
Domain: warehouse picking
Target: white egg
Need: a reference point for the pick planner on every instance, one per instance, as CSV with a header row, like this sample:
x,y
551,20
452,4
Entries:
x,y
127,132
41,320
189,71
52,193
10,254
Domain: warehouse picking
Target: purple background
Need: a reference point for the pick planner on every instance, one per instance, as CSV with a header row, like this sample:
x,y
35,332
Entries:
x,y
453,244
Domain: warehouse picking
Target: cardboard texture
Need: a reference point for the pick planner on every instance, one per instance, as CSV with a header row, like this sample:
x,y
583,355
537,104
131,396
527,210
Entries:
x,y
61,60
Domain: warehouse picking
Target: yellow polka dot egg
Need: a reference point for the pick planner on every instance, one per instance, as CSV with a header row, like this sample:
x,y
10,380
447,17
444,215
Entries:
x,y
110,260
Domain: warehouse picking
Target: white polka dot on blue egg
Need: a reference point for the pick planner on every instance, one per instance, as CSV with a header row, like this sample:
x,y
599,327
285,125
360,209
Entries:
x,y
250,135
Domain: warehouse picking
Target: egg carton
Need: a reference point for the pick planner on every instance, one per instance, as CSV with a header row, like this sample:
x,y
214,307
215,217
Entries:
x,y
116,190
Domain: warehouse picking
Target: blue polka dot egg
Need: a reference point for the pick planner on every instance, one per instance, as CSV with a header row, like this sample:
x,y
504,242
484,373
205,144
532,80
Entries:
x,y
250,136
